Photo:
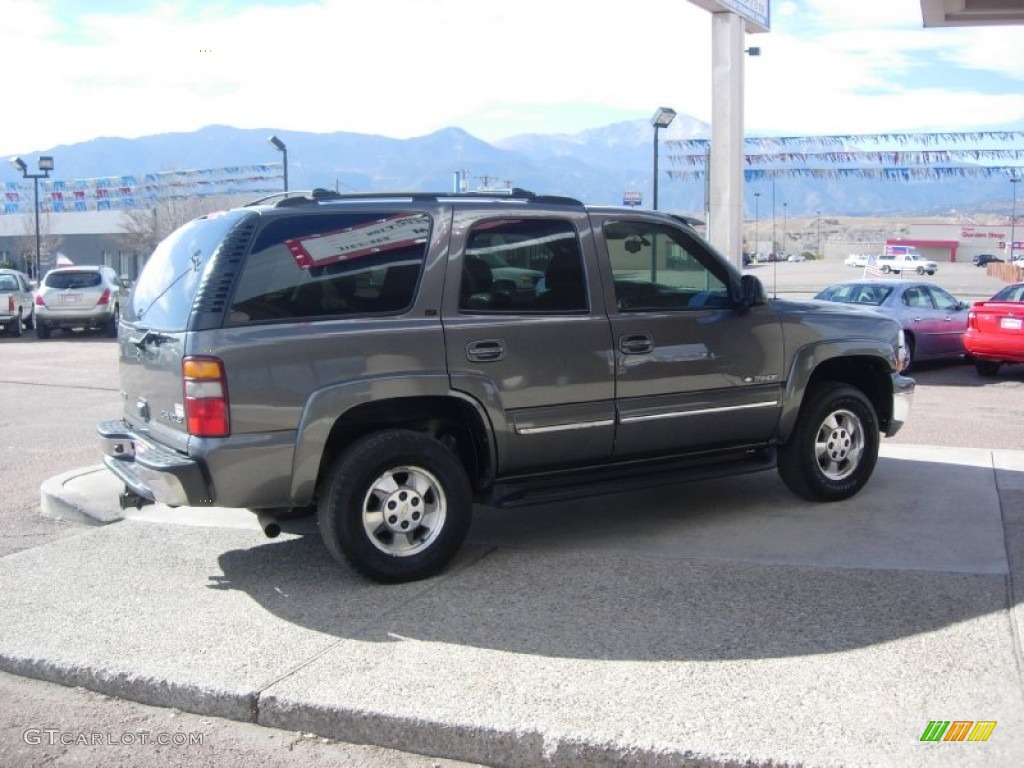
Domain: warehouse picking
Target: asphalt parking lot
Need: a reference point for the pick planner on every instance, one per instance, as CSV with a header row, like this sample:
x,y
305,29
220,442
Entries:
x,y
708,624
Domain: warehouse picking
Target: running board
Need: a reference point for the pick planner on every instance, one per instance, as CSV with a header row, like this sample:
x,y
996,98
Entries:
x,y
632,476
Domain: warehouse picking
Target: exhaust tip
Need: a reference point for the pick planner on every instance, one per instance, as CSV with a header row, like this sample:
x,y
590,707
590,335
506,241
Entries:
x,y
271,527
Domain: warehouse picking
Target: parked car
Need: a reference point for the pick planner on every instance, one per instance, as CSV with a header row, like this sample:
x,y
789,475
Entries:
x,y
995,330
357,356
16,309
79,297
796,257
986,258
906,262
933,320
857,260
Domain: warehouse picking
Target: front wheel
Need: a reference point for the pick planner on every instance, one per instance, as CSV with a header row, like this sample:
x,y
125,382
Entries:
x,y
396,506
834,446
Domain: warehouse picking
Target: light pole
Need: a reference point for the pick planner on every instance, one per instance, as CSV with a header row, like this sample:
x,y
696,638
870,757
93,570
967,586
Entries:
x,y
757,201
1013,215
279,145
662,119
784,228
45,165
820,252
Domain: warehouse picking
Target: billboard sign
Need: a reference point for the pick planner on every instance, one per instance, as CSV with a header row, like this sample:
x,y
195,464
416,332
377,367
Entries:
x,y
756,12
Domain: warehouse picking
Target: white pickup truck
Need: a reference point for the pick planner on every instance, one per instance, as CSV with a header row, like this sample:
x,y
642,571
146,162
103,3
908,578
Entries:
x,y
17,310
911,262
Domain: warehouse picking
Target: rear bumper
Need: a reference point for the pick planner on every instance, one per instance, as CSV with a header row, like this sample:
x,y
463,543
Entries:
x,y
251,471
150,470
64,319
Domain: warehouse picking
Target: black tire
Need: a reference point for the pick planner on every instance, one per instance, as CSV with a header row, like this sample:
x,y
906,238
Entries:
x,y
986,368
418,478
886,269
42,331
834,446
110,327
31,324
911,351
16,326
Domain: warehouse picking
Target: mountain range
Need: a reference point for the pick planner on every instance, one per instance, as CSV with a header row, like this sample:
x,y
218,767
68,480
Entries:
x,y
597,166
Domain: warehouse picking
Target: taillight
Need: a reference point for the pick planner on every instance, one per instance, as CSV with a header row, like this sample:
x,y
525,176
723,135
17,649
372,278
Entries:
x,y
105,298
972,320
39,301
10,304
206,397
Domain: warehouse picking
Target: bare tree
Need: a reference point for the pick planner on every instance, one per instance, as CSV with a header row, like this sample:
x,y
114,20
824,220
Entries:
x,y
144,228
49,243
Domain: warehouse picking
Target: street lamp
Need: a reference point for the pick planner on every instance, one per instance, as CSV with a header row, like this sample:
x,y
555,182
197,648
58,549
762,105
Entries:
x,y
757,201
784,228
45,165
662,119
279,145
820,253
1013,215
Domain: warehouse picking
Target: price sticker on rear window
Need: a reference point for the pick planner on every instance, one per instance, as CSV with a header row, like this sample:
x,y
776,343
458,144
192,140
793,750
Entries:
x,y
358,241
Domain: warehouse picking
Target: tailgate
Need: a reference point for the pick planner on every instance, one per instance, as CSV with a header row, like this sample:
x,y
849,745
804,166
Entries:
x,y
151,384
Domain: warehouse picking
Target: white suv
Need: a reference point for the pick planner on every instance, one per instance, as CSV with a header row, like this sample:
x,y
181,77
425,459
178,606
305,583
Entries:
x,y
912,262
78,297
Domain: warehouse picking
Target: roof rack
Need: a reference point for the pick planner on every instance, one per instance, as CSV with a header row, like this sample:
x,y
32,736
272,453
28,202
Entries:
x,y
318,195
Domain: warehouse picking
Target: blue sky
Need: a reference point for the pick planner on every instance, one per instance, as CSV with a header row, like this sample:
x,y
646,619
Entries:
x,y
79,69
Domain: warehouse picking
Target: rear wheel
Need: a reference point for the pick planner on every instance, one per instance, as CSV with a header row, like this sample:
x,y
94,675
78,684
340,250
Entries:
x,y
986,368
110,327
396,506
17,325
42,331
31,324
886,269
834,446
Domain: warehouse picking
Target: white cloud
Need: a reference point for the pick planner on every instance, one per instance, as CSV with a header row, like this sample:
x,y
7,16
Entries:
x,y
408,67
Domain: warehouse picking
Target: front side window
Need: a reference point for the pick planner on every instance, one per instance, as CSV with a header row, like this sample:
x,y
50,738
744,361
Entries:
x,y
331,265
523,265
656,268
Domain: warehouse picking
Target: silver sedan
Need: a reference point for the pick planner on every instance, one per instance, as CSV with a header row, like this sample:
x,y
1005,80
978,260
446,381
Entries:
x,y
933,319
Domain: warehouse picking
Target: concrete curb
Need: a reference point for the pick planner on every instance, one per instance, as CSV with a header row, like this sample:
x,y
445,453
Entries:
x,y
92,500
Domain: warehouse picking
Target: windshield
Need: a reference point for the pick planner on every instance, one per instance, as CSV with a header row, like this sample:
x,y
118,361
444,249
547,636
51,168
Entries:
x,y
856,293
162,297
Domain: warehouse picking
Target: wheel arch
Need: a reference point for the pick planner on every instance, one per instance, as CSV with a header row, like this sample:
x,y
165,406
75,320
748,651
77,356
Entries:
x,y
867,372
453,419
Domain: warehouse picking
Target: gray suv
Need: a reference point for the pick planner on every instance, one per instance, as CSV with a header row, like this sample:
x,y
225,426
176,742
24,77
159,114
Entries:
x,y
360,357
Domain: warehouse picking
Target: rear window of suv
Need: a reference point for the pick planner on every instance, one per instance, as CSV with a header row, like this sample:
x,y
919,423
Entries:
x,y
63,281
162,297
331,265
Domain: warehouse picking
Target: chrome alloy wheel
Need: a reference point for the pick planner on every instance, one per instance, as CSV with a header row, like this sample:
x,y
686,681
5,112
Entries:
x,y
404,511
839,444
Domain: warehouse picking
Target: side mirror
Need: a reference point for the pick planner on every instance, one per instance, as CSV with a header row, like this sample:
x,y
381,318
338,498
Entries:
x,y
751,292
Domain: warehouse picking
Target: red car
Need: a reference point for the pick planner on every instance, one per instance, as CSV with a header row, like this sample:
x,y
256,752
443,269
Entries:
x,y
995,330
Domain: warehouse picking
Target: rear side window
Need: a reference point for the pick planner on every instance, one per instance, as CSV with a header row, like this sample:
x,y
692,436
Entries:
x,y
71,280
331,265
523,265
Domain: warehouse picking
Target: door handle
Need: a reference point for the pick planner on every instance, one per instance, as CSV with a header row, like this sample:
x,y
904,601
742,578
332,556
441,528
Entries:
x,y
635,344
485,351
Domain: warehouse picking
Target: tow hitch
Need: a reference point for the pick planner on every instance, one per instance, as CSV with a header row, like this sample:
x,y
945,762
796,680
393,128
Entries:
x,y
129,498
